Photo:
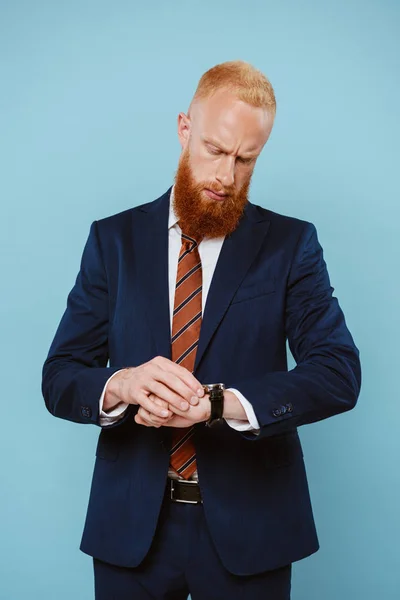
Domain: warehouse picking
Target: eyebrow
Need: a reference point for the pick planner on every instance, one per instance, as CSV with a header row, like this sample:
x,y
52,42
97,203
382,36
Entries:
x,y
216,144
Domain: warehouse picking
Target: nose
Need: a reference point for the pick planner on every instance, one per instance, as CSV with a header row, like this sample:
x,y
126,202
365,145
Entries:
x,y
226,171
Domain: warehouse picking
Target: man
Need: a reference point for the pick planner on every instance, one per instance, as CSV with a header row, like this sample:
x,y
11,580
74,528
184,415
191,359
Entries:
x,y
196,488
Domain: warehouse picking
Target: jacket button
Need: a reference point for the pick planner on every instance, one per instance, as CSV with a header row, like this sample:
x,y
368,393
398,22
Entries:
x,y
86,412
283,409
289,407
277,412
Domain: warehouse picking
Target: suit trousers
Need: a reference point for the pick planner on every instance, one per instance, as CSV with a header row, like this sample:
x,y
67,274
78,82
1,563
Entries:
x,y
182,560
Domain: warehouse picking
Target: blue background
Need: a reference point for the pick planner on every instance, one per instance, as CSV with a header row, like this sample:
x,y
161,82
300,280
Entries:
x,y
90,93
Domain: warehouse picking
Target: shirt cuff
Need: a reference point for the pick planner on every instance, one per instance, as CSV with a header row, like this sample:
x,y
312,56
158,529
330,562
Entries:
x,y
251,424
115,414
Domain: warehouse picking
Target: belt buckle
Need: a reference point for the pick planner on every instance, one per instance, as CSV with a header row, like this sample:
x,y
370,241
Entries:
x,y
179,500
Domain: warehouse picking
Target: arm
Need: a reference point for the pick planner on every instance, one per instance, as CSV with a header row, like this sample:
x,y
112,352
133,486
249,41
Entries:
x,y
75,372
109,416
327,378
246,419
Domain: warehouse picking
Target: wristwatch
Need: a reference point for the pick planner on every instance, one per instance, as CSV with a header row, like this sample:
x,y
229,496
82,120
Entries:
x,y
216,392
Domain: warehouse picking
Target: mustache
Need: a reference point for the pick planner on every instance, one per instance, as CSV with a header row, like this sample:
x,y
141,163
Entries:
x,y
214,188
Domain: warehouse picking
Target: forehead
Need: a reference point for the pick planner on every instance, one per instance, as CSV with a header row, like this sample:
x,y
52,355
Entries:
x,y
231,122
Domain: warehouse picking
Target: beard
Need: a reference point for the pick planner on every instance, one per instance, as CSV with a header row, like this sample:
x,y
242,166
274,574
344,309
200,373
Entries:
x,y
200,215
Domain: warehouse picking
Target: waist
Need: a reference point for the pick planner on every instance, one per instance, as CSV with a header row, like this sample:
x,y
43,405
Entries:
x,y
182,490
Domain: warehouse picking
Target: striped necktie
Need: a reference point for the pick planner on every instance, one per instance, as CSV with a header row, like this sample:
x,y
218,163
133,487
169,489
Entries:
x,y
186,325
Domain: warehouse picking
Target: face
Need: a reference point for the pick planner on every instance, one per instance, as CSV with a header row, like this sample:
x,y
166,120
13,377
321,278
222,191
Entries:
x,y
221,141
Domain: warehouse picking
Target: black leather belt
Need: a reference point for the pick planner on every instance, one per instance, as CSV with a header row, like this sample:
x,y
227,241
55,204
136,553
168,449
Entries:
x,y
179,490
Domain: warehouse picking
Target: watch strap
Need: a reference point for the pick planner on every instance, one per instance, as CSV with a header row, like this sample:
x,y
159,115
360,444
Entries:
x,y
216,395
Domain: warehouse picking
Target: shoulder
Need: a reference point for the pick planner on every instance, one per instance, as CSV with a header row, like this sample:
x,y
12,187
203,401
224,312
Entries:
x,y
121,221
281,224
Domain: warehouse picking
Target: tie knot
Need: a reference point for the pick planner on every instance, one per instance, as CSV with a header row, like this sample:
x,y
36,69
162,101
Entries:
x,y
190,242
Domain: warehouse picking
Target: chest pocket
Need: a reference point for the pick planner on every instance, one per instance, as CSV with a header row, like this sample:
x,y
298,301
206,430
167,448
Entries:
x,y
254,290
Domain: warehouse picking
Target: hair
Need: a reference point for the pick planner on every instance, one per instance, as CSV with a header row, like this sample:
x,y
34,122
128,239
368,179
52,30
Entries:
x,y
248,83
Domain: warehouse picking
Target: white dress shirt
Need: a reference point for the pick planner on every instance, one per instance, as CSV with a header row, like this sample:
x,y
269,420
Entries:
x,y
209,249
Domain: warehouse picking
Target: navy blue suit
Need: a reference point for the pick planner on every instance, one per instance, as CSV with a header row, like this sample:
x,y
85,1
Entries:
x,y
270,284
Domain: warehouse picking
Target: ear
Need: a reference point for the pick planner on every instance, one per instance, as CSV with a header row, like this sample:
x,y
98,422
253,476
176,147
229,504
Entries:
x,y
184,125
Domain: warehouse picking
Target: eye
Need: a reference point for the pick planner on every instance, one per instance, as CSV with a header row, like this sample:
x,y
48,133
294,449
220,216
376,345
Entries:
x,y
245,161
212,150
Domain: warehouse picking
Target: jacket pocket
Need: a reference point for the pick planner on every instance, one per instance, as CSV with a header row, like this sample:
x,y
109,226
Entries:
x,y
107,446
281,450
254,290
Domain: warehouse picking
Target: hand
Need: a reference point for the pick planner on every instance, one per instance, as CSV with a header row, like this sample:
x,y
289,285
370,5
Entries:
x,y
166,380
195,414
233,409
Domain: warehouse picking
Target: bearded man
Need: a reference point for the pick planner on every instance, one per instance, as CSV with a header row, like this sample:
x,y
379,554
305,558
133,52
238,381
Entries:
x,y
174,344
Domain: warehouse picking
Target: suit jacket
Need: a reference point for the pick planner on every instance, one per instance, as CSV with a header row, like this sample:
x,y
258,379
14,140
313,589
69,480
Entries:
x,y
270,284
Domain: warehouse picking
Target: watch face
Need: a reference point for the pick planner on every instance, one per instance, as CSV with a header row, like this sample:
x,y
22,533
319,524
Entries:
x,y
209,387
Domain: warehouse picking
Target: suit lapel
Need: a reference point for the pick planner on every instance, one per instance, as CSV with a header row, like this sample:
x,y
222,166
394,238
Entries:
x,y
151,233
237,254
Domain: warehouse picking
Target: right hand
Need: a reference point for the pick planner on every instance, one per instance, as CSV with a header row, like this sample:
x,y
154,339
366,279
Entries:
x,y
170,382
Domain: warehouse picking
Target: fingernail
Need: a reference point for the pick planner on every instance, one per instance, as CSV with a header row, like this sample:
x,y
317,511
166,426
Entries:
x,y
164,413
194,400
200,392
184,405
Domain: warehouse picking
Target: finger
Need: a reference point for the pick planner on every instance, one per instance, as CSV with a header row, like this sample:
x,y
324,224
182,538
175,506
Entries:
x,y
182,373
156,418
139,418
170,387
156,387
161,403
151,419
158,401
148,404
172,409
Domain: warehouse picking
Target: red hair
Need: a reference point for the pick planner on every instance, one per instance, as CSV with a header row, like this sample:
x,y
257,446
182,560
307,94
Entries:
x,y
244,80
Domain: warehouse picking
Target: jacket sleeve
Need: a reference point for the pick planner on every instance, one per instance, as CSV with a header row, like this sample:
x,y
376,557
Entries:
x,y
327,377
75,371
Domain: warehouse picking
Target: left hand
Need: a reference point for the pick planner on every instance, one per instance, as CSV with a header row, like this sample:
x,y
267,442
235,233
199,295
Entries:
x,y
195,414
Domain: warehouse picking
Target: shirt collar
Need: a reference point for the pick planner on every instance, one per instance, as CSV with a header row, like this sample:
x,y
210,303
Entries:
x,y
172,219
